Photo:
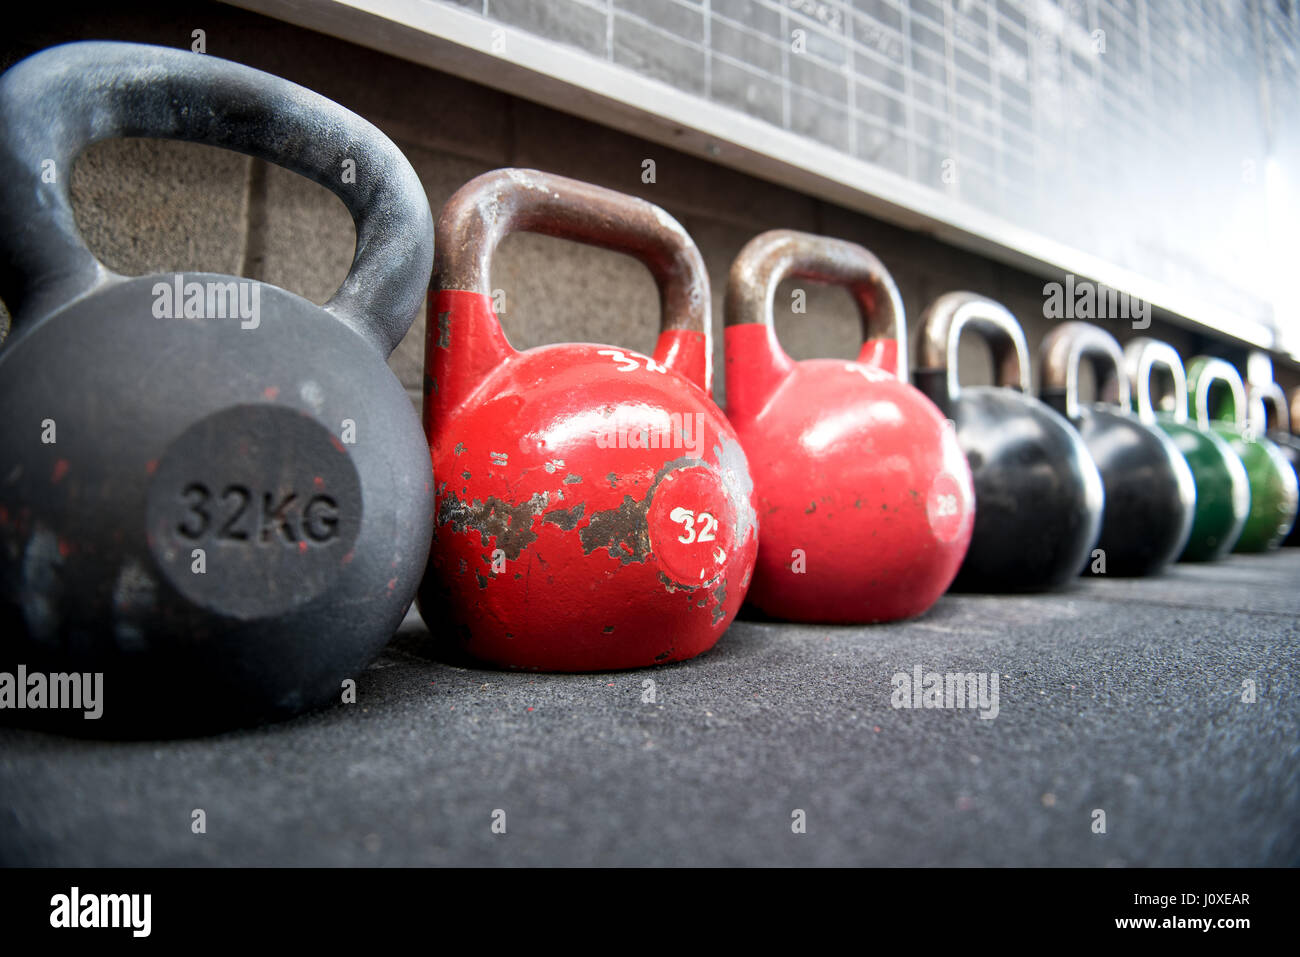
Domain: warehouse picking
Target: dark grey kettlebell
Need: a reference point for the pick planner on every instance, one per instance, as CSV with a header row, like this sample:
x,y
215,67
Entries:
x,y
213,492
1150,492
1038,495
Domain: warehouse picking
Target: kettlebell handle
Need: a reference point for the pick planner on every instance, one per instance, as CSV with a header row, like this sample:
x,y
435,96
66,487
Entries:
x,y
490,207
942,324
1069,344
57,102
779,254
1203,374
1140,357
1262,396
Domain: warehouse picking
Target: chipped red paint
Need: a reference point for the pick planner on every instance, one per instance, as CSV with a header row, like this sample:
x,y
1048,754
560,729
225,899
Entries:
x,y
597,568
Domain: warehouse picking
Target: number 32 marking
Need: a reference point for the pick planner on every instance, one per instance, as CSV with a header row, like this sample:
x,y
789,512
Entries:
x,y
708,525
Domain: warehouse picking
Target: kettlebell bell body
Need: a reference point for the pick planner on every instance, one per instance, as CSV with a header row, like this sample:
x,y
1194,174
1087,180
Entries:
x,y
1278,431
1150,493
1222,488
1038,494
218,496
594,506
864,496
1273,488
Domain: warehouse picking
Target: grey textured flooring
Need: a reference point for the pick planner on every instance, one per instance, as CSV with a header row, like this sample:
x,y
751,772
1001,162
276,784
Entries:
x,y
1123,696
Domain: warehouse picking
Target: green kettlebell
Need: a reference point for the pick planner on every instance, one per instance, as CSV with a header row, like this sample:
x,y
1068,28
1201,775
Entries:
x,y
1277,428
1222,486
1217,397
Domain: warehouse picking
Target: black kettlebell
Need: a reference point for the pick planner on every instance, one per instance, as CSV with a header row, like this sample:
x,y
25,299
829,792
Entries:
x,y
1278,429
215,493
1038,494
1150,493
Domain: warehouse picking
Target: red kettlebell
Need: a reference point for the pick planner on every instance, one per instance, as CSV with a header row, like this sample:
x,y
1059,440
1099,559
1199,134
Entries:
x,y
864,495
594,509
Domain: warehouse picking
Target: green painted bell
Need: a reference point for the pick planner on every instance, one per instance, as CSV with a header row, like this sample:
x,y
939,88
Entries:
x,y
1274,493
1222,486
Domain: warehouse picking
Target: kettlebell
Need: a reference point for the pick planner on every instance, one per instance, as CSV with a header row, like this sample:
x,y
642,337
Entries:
x,y
594,509
865,497
1261,398
1038,494
1222,488
1150,493
1217,398
215,493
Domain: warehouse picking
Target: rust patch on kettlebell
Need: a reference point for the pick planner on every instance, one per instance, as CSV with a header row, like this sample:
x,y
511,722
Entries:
x,y
566,518
624,530
719,598
510,525
671,586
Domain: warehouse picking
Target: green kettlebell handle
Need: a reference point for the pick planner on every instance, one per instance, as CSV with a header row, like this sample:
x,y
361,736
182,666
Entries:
x,y
780,254
57,102
1064,348
1261,397
1140,357
1203,374
942,324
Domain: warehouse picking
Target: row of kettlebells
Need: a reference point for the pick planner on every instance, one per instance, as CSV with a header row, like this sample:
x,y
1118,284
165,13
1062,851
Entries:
x,y
220,497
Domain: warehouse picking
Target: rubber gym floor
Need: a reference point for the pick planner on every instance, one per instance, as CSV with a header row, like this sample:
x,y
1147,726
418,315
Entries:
x,y
1124,736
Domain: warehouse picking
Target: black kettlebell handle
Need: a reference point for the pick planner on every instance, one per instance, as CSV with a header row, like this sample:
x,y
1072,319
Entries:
x,y
780,254
490,207
1141,355
1064,348
942,324
57,102
1262,396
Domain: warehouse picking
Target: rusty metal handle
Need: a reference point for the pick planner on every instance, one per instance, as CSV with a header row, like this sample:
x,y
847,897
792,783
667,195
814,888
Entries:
x,y
490,207
779,254
1069,344
1140,357
942,324
1203,373
1265,395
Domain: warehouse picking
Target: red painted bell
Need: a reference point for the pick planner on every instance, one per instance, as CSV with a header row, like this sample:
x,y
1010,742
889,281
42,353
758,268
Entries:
x,y
865,498
594,509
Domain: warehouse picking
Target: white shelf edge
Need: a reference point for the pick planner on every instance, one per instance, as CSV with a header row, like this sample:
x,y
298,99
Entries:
x,y
453,41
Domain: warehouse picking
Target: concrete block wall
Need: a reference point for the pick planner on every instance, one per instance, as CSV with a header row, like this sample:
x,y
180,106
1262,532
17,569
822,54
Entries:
x,y
149,206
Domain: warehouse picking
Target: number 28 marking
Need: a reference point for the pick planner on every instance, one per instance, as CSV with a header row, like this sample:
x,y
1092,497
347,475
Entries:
x,y
708,525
